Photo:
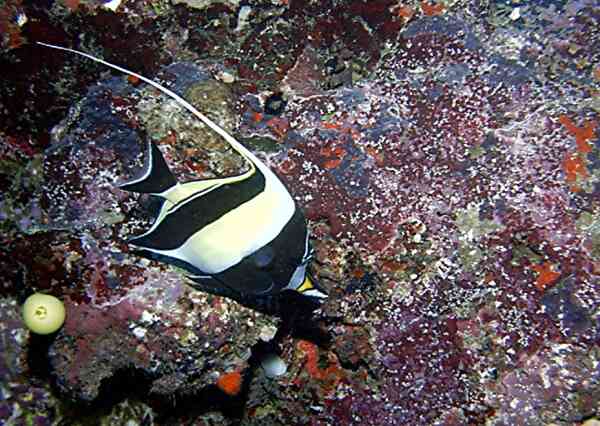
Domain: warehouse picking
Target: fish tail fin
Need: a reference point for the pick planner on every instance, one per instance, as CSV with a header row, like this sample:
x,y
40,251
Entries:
x,y
156,178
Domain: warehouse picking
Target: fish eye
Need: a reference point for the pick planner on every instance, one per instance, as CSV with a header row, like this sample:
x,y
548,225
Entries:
x,y
264,257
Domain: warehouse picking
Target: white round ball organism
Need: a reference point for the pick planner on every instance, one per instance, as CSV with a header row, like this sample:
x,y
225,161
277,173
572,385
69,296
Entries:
x,y
43,314
273,365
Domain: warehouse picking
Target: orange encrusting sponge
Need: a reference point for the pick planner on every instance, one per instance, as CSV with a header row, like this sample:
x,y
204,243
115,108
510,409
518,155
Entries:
x,y
230,383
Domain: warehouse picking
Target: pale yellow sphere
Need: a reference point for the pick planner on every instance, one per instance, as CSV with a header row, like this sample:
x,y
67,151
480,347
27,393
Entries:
x,y
43,314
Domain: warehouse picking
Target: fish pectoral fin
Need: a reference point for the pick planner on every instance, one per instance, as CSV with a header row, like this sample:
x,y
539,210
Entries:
x,y
211,281
156,177
265,291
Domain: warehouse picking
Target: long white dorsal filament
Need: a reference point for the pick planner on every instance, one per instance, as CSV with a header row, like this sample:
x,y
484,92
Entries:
x,y
241,149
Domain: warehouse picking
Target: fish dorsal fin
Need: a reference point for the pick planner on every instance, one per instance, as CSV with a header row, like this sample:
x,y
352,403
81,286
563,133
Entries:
x,y
274,182
252,224
156,178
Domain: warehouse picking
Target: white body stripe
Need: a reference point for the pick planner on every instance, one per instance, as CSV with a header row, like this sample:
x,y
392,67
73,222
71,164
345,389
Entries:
x,y
238,233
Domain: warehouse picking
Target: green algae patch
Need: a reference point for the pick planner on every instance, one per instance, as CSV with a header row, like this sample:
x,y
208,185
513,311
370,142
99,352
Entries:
x,y
472,229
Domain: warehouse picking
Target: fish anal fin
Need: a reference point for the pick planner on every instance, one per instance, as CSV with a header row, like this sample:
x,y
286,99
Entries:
x,y
156,178
137,241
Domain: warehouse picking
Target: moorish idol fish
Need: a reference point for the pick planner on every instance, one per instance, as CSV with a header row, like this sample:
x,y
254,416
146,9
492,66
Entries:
x,y
241,233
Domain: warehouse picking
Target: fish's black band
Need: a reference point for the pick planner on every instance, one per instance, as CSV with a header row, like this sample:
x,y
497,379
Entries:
x,y
192,216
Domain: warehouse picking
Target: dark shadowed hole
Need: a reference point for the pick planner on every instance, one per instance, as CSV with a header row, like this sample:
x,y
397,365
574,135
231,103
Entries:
x,y
171,411
37,355
275,104
126,384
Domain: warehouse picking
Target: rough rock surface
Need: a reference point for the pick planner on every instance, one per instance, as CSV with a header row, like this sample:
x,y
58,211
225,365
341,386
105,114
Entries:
x,y
446,155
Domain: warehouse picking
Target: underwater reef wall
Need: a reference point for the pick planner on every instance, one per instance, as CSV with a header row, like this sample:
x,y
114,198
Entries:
x,y
446,156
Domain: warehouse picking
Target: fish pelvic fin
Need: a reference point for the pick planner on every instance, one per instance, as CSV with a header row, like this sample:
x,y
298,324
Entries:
x,y
156,178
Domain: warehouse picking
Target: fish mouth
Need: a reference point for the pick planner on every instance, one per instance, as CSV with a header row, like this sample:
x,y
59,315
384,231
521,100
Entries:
x,y
309,288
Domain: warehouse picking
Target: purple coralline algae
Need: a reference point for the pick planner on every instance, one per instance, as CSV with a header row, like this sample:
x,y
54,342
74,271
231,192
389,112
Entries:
x,y
446,155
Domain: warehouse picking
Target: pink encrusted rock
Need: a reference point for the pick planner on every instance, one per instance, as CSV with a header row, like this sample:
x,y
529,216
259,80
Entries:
x,y
455,194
